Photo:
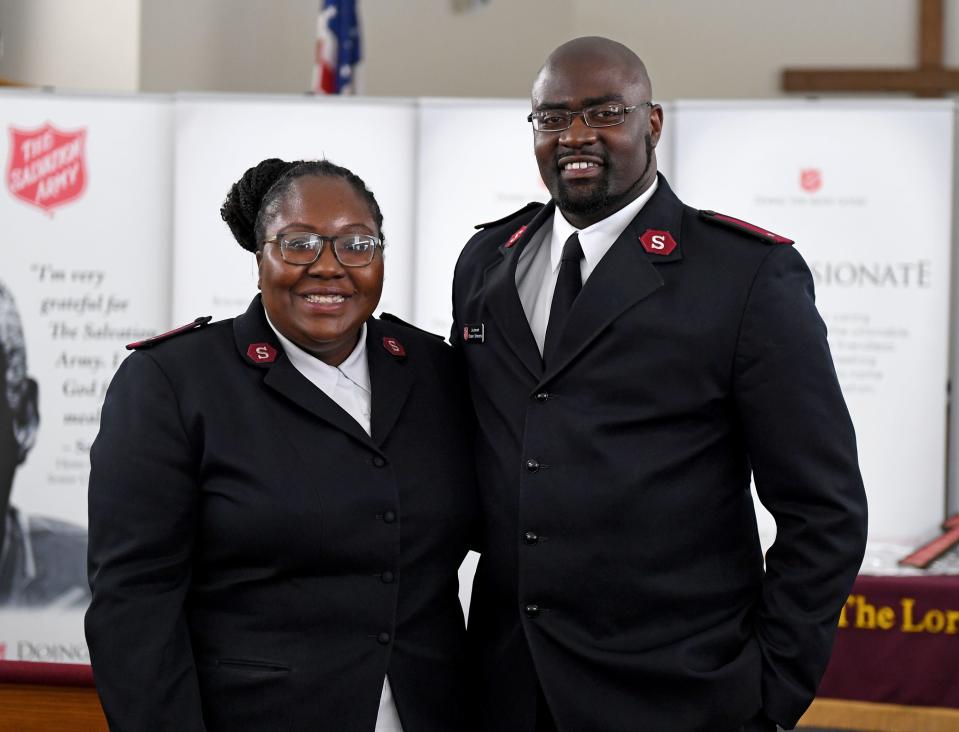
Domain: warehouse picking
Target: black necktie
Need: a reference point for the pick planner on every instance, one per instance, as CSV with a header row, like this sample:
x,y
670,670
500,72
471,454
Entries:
x,y
568,284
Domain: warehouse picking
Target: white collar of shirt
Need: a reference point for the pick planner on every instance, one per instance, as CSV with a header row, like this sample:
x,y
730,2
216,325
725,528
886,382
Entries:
x,y
598,238
355,368
347,384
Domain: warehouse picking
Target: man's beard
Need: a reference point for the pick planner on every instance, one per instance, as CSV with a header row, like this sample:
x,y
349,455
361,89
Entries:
x,y
598,197
592,201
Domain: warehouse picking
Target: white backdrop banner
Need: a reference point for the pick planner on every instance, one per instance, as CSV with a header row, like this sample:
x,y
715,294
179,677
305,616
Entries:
x,y
106,212
865,189
475,164
218,137
86,211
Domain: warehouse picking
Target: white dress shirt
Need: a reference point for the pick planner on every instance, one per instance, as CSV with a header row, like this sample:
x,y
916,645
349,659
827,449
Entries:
x,y
538,266
349,386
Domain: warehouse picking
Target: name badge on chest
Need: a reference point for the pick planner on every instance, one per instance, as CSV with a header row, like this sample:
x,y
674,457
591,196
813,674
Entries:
x,y
474,333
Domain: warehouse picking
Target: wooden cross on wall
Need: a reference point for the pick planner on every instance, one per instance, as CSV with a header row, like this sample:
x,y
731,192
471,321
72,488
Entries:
x,y
930,79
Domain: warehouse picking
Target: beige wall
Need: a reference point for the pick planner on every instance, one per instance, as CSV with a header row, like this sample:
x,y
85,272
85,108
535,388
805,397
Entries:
x,y
689,44
423,48
694,48
71,44
227,45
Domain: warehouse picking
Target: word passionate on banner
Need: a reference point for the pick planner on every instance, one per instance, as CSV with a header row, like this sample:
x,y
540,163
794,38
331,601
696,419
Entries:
x,y
46,166
859,613
916,274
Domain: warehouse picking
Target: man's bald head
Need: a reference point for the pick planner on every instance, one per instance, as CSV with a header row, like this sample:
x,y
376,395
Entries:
x,y
600,51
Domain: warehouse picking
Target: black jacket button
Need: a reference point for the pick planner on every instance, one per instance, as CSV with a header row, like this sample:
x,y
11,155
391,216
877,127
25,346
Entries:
x,y
530,537
542,397
378,461
532,610
389,517
532,466
387,577
383,638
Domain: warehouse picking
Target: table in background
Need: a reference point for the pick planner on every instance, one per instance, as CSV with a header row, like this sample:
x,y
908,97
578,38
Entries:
x,y
895,664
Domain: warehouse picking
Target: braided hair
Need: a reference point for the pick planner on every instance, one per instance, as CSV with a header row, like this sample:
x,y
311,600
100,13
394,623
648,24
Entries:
x,y
254,199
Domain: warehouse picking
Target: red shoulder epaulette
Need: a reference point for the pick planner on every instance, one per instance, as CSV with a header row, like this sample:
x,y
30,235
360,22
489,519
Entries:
x,y
147,342
745,227
507,217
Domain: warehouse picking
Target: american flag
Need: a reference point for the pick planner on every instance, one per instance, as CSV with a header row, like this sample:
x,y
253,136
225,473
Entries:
x,y
337,47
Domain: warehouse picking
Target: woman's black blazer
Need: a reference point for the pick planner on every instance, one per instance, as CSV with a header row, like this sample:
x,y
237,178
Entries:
x,y
258,562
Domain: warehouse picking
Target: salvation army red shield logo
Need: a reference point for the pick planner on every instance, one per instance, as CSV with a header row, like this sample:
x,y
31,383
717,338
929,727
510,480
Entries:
x,y
810,179
47,166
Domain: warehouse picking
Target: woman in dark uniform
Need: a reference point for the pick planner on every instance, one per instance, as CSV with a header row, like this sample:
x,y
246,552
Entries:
x,y
279,502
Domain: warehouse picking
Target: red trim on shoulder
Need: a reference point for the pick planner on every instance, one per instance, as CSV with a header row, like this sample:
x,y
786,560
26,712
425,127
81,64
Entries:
x,y
514,238
745,226
147,342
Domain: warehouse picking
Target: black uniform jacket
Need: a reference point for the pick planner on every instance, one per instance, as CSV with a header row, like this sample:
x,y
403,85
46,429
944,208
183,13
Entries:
x,y
621,562
257,561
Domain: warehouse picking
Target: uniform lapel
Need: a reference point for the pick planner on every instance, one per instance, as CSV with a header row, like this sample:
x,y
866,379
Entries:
x,y
624,277
251,330
286,380
391,377
503,301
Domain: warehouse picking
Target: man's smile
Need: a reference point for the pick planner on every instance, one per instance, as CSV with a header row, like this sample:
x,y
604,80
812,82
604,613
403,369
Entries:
x,y
572,167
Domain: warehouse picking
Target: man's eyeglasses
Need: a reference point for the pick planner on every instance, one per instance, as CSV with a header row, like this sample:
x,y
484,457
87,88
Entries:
x,y
601,115
305,247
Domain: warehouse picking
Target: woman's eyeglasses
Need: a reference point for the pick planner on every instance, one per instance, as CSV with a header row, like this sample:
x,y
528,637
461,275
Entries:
x,y
305,247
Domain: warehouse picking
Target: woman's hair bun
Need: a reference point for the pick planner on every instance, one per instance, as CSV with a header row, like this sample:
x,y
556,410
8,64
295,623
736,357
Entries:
x,y
242,203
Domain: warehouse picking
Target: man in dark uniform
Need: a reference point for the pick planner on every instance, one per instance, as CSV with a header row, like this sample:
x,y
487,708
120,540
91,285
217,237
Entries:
x,y
632,361
42,560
